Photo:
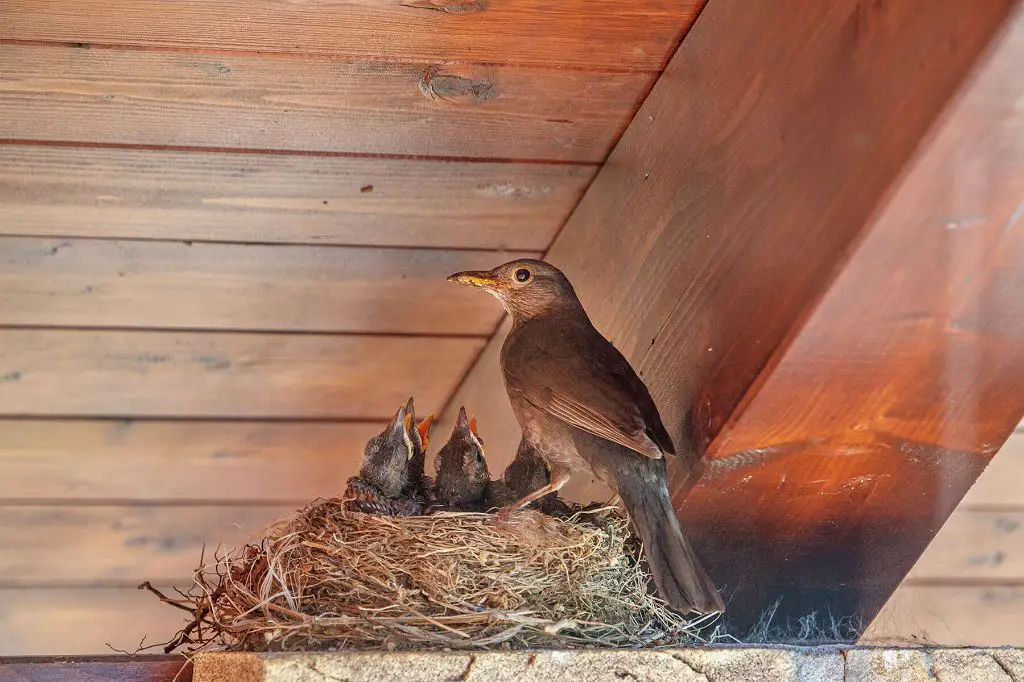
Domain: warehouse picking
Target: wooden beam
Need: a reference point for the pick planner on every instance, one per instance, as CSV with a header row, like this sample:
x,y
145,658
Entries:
x,y
96,669
880,412
721,218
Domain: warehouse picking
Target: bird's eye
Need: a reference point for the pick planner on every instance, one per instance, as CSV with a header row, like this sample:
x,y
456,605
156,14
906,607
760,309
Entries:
x,y
479,456
522,275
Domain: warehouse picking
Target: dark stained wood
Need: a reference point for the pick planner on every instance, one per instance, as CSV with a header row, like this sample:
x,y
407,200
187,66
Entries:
x,y
236,101
581,33
720,218
95,669
73,545
135,193
882,410
180,460
63,621
185,374
71,282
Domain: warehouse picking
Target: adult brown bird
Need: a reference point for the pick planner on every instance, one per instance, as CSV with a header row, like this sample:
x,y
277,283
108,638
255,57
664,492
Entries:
x,y
461,468
580,405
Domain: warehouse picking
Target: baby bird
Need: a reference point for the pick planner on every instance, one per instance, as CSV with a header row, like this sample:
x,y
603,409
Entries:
x,y
528,472
418,483
461,471
384,474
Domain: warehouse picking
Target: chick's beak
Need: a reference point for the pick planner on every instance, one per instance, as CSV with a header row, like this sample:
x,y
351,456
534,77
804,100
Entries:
x,y
475,278
424,429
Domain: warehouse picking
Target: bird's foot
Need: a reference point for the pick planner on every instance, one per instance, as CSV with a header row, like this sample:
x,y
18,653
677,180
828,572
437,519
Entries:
x,y
504,514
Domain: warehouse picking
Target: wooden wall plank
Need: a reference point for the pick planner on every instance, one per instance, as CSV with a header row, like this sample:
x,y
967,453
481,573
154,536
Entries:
x,y
138,193
179,460
976,545
82,621
78,545
1001,483
150,284
233,101
582,33
165,374
971,615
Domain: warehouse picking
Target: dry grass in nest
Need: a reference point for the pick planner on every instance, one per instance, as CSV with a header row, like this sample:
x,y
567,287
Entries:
x,y
328,578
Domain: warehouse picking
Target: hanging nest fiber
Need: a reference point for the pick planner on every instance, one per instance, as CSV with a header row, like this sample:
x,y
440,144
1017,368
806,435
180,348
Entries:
x,y
328,578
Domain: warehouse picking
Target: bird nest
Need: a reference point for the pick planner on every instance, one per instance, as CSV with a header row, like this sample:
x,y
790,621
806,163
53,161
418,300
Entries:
x,y
329,578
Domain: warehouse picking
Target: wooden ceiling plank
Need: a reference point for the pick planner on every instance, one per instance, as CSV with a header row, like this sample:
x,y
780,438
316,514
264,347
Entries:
x,y
172,461
723,214
579,33
166,285
152,194
208,375
82,621
245,102
122,544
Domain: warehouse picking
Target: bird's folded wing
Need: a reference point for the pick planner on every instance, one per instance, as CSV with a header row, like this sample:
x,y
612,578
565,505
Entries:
x,y
583,417
593,401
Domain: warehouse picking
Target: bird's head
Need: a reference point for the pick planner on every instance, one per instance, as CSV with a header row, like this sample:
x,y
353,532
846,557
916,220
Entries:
x,y
386,455
526,287
461,467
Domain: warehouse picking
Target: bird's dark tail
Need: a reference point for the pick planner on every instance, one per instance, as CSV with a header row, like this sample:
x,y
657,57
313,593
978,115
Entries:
x,y
678,575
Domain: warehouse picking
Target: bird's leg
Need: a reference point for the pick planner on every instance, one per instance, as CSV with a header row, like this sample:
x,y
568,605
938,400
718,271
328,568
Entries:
x,y
558,477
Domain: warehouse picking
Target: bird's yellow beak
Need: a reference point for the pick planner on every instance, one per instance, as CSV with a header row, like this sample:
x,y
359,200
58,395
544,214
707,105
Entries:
x,y
475,278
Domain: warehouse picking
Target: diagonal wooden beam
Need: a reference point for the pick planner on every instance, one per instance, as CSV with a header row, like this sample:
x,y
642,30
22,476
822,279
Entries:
x,y
878,414
722,217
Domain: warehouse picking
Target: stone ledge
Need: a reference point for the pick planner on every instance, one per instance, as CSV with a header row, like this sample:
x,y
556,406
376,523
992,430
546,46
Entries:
x,y
712,664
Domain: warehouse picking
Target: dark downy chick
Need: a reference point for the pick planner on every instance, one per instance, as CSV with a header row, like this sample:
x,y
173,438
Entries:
x,y
384,473
528,472
461,471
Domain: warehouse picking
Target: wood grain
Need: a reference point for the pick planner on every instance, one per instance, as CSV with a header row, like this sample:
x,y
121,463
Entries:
x,y
82,621
179,460
108,283
725,237
137,193
121,544
972,615
96,669
234,101
881,411
581,33
165,374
